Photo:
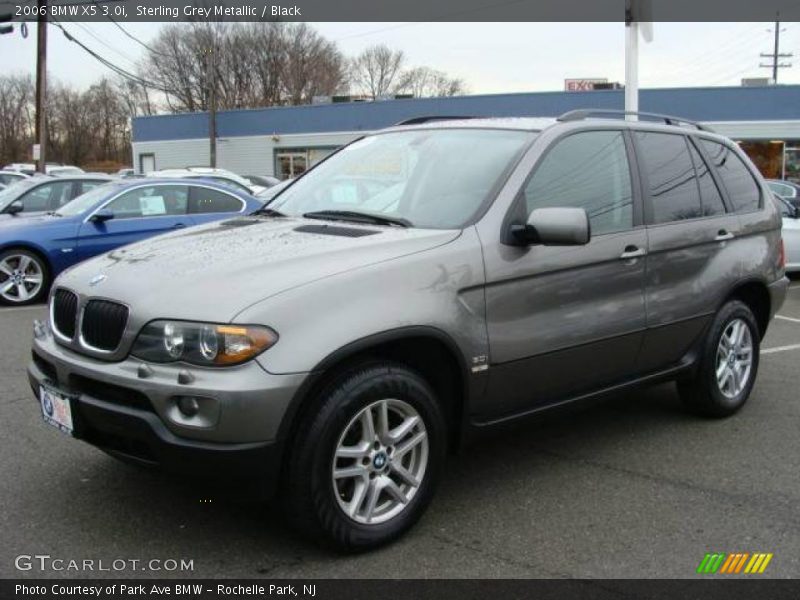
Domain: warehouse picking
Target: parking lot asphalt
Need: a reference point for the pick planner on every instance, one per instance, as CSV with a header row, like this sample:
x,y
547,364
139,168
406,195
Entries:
x,y
634,487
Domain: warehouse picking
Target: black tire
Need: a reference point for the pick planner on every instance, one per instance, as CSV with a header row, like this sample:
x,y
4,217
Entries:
x,y
701,394
308,494
42,267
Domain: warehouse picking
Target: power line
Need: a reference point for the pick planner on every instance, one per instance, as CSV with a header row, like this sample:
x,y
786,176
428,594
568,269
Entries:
x,y
137,40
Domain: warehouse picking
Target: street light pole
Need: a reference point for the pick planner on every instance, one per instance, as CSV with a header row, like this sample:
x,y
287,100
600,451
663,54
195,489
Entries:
x,y
631,68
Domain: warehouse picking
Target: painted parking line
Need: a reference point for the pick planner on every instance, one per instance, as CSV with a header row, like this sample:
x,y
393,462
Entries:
x,y
13,309
792,319
794,287
780,349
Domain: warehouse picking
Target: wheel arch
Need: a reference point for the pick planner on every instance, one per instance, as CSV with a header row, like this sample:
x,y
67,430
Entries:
x,y
428,350
755,293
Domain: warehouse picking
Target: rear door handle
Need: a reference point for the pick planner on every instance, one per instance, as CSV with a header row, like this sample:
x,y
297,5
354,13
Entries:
x,y
722,235
632,252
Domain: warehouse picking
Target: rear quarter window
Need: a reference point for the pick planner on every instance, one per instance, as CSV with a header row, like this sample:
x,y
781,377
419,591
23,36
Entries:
x,y
743,190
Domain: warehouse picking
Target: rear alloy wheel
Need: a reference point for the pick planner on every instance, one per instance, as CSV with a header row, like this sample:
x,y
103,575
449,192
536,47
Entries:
x,y
728,364
23,277
366,457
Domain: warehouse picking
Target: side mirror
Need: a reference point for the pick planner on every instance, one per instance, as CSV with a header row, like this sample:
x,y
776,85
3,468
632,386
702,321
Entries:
x,y
15,208
554,227
101,216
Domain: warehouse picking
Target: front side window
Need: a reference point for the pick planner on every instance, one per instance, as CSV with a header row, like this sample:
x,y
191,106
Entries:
x,y
586,170
206,200
154,201
47,197
739,182
430,178
670,176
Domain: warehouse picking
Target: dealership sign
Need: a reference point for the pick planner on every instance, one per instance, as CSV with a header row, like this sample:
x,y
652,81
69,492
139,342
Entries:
x,y
582,85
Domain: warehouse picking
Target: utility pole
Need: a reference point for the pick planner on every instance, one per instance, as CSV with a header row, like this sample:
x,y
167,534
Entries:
x,y
211,82
41,84
776,54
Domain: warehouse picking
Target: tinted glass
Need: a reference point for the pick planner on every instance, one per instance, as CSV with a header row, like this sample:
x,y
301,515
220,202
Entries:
x,y
85,186
783,190
206,200
586,170
434,178
709,193
154,201
674,194
736,177
47,197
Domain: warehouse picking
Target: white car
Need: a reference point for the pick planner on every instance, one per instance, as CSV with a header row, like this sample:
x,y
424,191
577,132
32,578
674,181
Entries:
x,y
57,170
791,234
222,176
9,177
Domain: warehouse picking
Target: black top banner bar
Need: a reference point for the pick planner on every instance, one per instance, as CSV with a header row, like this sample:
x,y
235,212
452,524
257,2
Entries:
x,y
403,10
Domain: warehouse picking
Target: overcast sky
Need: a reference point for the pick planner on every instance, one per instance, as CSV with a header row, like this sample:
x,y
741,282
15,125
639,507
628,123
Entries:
x,y
490,57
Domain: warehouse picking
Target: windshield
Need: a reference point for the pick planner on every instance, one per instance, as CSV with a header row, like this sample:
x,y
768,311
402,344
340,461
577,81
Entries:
x,y
85,201
432,178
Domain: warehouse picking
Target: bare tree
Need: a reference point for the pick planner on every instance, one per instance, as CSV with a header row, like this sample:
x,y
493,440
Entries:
x,y
424,82
16,117
376,71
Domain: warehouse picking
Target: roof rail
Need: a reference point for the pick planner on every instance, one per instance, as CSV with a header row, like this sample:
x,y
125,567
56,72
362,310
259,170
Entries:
x,y
428,119
581,114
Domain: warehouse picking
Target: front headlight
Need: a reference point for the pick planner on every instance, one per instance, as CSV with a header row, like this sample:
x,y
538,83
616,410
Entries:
x,y
203,344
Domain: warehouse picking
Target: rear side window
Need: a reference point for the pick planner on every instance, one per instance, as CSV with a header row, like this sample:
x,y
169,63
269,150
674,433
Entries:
x,y
206,200
709,193
586,170
736,177
85,186
674,194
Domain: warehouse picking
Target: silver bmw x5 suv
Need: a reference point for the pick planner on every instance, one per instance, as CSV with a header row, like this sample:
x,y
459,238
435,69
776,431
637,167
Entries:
x,y
423,284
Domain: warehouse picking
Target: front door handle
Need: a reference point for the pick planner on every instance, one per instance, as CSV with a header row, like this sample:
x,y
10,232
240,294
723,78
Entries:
x,y
722,235
179,226
632,252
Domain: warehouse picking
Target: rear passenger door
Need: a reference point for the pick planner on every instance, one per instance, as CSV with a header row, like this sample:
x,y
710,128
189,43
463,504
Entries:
x,y
208,204
692,260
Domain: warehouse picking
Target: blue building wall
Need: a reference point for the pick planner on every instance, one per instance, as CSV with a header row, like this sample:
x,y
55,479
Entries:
x,y
699,104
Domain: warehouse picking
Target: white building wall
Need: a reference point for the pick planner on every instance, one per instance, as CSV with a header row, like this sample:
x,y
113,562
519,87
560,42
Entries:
x,y
247,155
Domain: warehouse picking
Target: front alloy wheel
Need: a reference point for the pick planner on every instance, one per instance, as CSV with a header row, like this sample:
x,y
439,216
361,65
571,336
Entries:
x,y
366,457
23,277
380,461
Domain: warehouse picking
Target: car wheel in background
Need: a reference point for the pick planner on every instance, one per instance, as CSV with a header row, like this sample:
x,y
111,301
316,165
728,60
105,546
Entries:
x,y
728,366
367,457
24,277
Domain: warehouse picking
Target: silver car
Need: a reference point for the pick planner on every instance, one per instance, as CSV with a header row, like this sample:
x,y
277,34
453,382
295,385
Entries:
x,y
422,285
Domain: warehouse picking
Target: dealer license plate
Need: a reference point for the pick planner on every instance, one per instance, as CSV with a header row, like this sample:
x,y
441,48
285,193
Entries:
x,y
56,409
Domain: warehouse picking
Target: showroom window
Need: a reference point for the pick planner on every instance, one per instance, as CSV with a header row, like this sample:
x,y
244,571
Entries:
x,y
736,177
670,177
586,170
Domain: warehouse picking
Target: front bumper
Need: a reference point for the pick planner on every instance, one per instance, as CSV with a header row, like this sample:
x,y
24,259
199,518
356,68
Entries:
x,y
130,410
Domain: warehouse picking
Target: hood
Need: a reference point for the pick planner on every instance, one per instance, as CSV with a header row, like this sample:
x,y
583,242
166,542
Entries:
x,y
214,271
10,225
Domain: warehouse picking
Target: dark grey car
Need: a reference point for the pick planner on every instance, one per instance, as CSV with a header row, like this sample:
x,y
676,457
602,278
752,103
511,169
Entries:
x,y
419,286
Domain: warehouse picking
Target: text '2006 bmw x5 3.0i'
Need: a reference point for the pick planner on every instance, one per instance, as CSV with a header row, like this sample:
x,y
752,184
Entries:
x,y
419,285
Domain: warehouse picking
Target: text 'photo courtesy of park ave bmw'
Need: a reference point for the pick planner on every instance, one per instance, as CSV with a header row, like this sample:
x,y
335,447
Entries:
x,y
399,292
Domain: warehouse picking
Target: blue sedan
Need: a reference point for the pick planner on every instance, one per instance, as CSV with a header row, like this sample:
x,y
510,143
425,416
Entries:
x,y
35,250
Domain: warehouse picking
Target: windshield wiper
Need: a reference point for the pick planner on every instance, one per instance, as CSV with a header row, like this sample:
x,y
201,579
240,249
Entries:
x,y
269,212
357,217
53,213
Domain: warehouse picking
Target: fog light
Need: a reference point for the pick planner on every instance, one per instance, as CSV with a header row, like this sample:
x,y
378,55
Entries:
x,y
188,406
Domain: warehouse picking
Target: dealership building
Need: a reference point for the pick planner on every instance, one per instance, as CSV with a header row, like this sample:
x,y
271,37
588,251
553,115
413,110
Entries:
x,y
285,141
